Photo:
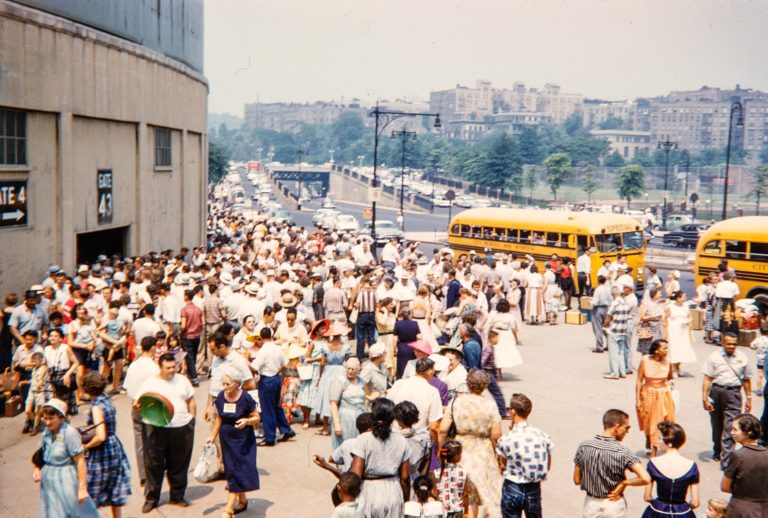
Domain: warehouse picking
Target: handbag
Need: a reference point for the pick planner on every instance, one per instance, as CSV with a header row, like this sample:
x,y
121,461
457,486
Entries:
x,y
353,316
206,469
644,331
9,380
87,433
452,427
38,459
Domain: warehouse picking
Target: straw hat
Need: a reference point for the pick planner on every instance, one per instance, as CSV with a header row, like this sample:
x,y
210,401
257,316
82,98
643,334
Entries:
x,y
295,351
287,300
319,328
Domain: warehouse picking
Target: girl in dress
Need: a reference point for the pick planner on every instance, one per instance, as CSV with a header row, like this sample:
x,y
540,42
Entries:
x,y
534,298
679,329
313,357
452,481
422,314
333,354
503,322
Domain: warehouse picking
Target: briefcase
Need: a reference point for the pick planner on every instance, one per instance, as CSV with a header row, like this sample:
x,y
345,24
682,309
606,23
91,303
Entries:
x,y
585,302
746,337
697,319
13,406
575,317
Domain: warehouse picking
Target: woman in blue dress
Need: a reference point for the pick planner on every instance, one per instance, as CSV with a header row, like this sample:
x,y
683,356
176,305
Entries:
x,y
333,354
347,402
236,417
308,389
674,476
109,472
63,486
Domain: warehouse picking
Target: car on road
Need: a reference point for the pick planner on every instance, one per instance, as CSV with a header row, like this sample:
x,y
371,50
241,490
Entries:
x,y
321,214
463,201
282,216
347,223
385,230
328,203
441,202
686,236
328,219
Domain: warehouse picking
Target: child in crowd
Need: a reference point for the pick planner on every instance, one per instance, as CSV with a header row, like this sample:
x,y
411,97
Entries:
x,y
291,382
162,346
174,346
760,345
38,391
452,481
113,334
407,415
425,505
488,362
349,487
716,508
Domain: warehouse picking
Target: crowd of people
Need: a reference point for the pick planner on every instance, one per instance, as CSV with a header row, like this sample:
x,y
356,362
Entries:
x,y
391,360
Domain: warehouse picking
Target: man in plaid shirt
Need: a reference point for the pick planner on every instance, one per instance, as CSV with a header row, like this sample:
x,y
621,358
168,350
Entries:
x,y
616,326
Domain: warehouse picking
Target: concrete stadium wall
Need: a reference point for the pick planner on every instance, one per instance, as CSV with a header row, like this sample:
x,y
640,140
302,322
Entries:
x,y
92,101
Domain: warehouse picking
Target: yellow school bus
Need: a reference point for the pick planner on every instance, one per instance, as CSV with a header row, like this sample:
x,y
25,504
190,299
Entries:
x,y
743,242
541,233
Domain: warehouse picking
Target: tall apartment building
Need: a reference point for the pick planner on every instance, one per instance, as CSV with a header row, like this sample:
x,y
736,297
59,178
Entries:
x,y
462,101
625,142
698,120
596,112
550,100
292,116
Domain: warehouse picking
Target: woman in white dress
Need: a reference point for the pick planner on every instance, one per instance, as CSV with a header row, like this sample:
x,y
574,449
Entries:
x,y
679,329
422,314
552,294
503,322
534,298
514,295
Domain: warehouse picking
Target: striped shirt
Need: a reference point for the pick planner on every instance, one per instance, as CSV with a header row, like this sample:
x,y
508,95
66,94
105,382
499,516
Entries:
x,y
366,300
603,461
212,311
334,300
620,312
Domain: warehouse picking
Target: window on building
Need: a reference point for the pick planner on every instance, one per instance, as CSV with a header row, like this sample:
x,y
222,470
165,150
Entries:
x,y
162,147
13,137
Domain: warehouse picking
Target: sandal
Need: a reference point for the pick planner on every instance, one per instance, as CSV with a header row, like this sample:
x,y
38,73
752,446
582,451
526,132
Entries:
x,y
240,509
226,514
305,426
321,432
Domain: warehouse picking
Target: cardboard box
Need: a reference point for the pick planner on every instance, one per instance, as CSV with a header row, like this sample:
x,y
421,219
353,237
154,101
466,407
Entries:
x,y
585,302
746,337
697,319
575,317
13,406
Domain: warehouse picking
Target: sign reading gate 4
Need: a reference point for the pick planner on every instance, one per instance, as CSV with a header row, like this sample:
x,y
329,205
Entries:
x,y
13,203
104,186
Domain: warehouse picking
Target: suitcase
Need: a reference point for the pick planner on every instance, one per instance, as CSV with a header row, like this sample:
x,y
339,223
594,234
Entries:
x,y
13,406
697,319
585,302
575,317
746,337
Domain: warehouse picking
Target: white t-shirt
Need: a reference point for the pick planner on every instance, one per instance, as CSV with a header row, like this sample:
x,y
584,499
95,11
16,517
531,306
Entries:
x,y
727,290
418,391
178,390
234,360
138,372
143,327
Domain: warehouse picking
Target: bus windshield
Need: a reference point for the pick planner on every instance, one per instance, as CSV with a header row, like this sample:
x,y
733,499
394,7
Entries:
x,y
633,241
607,243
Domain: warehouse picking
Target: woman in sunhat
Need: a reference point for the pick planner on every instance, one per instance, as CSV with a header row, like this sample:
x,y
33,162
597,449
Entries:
x,y
62,473
333,355
313,357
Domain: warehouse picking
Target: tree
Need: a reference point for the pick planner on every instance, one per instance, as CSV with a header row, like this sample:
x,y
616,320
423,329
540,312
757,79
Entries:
x,y
582,148
501,165
643,158
764,155
530,146
558,166
588,183
530,180
761,185
614,160
573,123
218,158
611,123
631,182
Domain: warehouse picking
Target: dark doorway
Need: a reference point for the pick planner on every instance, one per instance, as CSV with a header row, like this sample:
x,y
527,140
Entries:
x,y
108,242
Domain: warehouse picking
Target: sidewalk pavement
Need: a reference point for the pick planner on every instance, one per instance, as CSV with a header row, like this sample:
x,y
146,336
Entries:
x,y
560,375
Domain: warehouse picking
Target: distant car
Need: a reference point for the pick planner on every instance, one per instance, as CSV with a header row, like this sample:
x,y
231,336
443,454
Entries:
x,y
463,201
282,216
687,235
675,221
328,219
385,230
328,203
481,203
347,223
321,214
442,202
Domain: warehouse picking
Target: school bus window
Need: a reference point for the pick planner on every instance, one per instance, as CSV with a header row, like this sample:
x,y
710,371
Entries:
x,y
553,238
564,240
512,235
537,238
735,249
713,247
633,241
608,243
487,233
500,234
465,231
758,252
455,230
477,232
525,236
582,243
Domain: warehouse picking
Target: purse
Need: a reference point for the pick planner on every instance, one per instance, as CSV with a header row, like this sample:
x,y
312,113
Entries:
x,y
37,458
452,427
9,380
644,332
87,433
353,316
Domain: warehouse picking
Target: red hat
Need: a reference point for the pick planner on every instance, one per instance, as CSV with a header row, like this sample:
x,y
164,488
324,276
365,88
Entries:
x,y
421,346
319,328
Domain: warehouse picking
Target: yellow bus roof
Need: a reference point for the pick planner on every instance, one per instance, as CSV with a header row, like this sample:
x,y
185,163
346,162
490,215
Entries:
x,y
747,228
580,222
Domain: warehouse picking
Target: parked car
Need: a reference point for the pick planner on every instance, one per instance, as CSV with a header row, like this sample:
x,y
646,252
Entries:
x,y
347,223
328,219
463,201
320,214
282,216
441,202
675,221
328,203
687,235
385,230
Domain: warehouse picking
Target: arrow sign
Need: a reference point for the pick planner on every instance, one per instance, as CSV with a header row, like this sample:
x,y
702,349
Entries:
x,y
17,215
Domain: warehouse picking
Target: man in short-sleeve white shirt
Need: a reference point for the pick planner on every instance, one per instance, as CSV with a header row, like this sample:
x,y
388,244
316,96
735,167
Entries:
x,y
418,391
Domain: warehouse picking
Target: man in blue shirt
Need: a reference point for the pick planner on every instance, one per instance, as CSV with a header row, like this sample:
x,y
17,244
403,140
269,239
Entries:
x,y
29,317
454,287
472,349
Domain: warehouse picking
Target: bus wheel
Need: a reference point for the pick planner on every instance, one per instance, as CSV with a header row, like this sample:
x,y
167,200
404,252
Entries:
x,y
761,301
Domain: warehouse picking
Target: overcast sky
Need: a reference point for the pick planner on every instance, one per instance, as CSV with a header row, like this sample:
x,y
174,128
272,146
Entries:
x,y
289,50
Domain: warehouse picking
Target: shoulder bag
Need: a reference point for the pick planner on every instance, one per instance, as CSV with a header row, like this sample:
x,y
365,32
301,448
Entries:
x,y
452,427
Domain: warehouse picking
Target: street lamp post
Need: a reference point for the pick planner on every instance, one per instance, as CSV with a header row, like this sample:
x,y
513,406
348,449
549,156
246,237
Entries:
x,y
360,159
301,152
667,146
684,153
388,116
736,106
404,135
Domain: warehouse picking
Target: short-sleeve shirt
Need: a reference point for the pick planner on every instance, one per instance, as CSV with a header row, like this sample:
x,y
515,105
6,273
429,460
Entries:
x,y
25,319
234,360
720,367
418,391
23,355
748,469
527,450
382,458
450,486
59,449
620,312
342,455
178,390
603,461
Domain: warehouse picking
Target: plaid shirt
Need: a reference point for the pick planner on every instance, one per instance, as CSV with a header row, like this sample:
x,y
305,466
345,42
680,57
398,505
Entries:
x,y
620,312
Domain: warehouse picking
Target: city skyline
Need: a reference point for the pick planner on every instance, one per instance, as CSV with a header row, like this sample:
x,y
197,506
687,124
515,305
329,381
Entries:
x,y
612,51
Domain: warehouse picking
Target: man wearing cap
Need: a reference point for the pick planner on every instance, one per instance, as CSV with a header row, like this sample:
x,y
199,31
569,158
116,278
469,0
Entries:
x,y
28,317
584,271
50,279
169,447
616,327
418,391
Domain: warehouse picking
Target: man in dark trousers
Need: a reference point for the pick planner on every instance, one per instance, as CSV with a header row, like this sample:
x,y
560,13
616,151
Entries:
x,y
269,363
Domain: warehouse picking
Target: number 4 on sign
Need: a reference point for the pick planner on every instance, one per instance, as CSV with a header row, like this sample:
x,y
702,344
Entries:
x,y
105,205
23,195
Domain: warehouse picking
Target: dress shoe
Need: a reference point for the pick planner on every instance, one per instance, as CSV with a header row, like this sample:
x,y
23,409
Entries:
x,y
289,435
148,506
179,503
265,443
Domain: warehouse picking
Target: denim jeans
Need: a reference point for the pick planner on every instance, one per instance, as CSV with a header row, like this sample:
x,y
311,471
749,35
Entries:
x,y
365,331
618,352
495,390
519,498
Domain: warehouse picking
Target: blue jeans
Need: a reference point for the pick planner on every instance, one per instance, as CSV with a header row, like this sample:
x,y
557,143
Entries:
x,y
495,390
618,354
519,498
365,331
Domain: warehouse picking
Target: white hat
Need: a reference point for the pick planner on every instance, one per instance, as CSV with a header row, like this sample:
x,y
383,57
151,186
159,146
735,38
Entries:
x,y
252,288
270,273
82,268
441,362
58,405
225,277
376,350
98,285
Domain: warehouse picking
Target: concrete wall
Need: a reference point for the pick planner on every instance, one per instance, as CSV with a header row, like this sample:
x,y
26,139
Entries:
x,y
92,102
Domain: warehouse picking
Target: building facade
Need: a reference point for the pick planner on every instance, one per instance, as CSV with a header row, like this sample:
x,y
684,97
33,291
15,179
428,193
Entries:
x,y
463,102
103,130
627,143
293,116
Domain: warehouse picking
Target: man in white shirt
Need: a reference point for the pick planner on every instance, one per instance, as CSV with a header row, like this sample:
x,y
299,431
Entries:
x,y
390,254
170,310
139,371
269,361
169,447
418,391
146,325
584,272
